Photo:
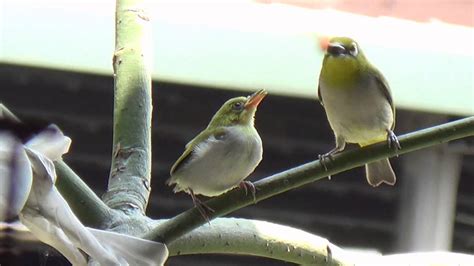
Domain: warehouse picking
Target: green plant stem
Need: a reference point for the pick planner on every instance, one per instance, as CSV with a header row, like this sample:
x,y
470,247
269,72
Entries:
x,y
179,225
258,238
129,181
82,200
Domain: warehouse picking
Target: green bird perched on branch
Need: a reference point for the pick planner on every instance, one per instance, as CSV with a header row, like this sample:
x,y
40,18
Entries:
x,y
223,155
358,103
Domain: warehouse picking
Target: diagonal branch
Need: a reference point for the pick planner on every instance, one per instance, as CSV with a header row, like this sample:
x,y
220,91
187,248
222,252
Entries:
x,y
179,225
87,206
130,174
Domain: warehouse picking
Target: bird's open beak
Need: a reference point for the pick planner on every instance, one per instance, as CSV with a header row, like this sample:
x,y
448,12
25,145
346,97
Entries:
x,y
254,100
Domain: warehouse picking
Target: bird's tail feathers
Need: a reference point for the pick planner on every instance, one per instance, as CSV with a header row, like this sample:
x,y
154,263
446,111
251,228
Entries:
x,y
380,172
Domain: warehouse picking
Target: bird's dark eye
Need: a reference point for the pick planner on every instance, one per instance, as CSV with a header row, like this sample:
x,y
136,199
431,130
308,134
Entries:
x,y
353,49
238,106
336,49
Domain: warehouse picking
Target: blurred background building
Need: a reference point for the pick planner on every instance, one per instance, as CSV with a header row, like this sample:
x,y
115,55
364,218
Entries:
x,y
55,64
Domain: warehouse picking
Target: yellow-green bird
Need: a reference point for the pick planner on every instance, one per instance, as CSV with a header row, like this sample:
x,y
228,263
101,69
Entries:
x,y
358,103
222,155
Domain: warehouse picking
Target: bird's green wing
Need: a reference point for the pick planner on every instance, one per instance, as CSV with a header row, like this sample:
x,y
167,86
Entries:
x,y
319,95
203,136
383,85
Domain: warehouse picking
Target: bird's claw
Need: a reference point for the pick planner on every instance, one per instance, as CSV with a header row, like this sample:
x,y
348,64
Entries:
x,y
323,157
205,211
393,140
202,207
246,186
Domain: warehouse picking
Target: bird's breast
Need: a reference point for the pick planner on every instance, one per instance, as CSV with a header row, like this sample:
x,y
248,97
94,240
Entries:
x,y
359,113
220,164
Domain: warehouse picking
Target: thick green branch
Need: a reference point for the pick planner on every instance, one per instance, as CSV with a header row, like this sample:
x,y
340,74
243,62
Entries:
x,y
179,225
259,238
83,201
129,181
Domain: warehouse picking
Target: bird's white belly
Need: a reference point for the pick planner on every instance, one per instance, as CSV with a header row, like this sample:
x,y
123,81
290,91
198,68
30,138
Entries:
x,y
360,115
218,166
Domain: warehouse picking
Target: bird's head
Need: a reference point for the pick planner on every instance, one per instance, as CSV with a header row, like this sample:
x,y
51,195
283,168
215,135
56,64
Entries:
x,y
340,47
239,110
343,58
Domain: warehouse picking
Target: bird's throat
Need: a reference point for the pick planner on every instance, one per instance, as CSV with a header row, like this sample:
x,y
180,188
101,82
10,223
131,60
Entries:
x,y
340,72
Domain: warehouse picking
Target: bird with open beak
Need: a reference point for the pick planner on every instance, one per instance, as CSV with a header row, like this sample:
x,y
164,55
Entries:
x,y
222,155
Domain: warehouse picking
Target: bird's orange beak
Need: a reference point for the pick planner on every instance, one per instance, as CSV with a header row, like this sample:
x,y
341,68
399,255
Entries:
x,y
324,43
254,100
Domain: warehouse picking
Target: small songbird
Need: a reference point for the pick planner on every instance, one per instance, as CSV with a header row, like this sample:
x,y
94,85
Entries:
x,y
358,103
223,155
